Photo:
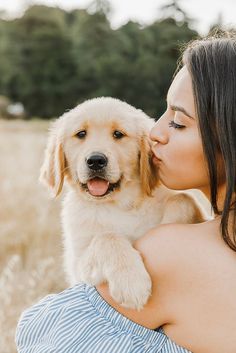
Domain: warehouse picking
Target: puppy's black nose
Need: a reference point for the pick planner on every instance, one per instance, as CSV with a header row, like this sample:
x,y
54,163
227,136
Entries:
x,y
96,161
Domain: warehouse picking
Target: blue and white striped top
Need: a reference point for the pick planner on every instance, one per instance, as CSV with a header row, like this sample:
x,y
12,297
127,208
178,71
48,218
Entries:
x,y
79,320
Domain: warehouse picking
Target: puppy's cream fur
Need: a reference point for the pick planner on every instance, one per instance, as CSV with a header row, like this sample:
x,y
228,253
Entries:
x,y
99,231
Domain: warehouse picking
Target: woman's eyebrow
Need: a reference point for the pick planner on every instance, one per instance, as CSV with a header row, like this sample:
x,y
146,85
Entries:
x,y
181,109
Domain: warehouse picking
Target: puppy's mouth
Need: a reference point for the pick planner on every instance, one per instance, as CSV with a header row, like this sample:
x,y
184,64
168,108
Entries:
x,y
99,187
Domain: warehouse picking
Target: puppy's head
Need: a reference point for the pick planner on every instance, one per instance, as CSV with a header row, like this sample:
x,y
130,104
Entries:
x,y
102,148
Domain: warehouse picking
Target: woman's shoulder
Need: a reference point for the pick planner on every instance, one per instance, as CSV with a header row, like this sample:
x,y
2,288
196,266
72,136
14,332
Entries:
x,y
167,242
193,273
184,252
179,249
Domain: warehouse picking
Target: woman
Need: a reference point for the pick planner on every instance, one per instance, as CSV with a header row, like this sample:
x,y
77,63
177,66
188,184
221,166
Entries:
x,y
193,267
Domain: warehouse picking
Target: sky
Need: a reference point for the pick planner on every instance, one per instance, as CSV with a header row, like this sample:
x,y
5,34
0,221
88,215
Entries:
x,y
144,11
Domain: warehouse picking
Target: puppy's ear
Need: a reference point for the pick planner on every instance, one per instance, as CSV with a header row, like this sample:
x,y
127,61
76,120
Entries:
x,y
52,170
148,170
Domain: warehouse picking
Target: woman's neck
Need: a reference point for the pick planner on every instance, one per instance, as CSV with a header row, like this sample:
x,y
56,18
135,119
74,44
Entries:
x,y
221,193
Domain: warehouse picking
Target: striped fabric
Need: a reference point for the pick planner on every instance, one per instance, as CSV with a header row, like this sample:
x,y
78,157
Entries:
x,y
78,320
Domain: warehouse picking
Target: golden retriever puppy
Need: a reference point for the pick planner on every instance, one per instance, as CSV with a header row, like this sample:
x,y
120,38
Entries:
x,y
101,148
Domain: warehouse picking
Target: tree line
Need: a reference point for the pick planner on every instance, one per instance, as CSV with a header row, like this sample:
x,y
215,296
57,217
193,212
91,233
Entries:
x,y
51,59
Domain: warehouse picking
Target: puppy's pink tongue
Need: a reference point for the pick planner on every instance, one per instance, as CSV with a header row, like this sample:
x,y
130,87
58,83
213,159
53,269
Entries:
x,y
97,186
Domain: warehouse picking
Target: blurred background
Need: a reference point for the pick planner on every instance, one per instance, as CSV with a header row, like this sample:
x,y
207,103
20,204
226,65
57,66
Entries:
x,y
54,55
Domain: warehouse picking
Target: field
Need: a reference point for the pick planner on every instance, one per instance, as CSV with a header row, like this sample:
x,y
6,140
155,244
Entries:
x,y
30,232
30,235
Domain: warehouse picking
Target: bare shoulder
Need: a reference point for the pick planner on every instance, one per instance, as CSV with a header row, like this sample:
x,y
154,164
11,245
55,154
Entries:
x,y
168,252
193,274
168,247
184,249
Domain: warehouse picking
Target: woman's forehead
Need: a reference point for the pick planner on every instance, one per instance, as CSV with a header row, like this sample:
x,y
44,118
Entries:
x,y
181,83
181,92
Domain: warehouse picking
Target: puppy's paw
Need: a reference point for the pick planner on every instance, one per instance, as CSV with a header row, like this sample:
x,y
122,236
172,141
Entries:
x,y
131,287
89,271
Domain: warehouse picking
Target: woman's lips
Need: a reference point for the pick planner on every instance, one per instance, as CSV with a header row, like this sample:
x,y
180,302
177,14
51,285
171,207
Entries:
x,y
155,155
156,160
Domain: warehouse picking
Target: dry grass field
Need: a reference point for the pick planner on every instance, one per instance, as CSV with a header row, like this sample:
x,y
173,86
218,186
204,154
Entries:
x,y
30,232
30,242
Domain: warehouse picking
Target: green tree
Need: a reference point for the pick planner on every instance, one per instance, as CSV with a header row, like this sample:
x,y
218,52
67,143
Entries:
x,y
45,79
51,59
92,43
7,57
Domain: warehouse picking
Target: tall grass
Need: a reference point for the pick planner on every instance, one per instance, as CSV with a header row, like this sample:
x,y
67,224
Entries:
x,y
30,241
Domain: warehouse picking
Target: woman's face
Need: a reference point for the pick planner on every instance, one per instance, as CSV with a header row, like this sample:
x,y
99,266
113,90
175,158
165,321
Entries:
x,y
178,145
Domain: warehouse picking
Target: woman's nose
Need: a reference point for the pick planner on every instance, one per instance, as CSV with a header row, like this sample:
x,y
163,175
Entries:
x,y
159,132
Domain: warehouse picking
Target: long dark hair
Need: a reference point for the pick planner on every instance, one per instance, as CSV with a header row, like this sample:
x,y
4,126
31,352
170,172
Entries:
x,y
212,66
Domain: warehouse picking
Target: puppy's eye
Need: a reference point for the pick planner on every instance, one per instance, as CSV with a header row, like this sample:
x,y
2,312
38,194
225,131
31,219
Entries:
x,y
117,134
81,134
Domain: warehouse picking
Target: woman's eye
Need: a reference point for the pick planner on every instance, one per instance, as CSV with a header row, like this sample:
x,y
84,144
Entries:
x,y
175,126
81,134
117,134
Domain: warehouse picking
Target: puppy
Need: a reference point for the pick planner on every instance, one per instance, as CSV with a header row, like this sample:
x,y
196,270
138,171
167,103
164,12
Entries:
x,y
101,148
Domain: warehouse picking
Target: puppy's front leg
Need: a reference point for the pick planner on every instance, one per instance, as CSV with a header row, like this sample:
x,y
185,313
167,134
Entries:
x,y
112,258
